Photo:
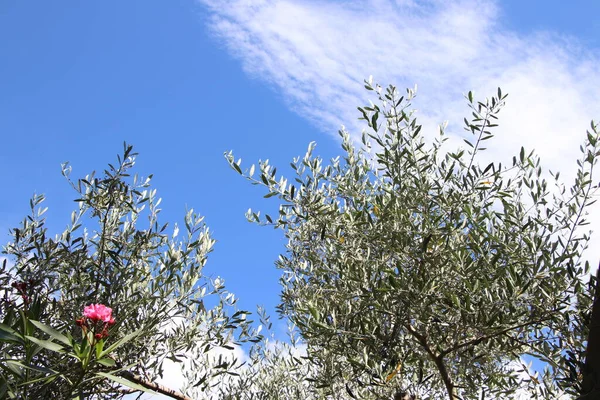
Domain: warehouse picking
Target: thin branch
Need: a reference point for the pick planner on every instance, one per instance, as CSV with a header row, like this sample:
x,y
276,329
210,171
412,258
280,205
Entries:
x,y
476,341
579,213
154,386
481,132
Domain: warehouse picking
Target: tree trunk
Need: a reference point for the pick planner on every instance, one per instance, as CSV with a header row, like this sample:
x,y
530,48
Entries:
x,y
591,371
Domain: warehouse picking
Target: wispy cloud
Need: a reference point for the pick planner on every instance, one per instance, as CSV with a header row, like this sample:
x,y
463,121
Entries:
x,y
316,54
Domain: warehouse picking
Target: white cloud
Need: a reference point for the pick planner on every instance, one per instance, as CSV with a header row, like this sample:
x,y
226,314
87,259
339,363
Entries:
x,y
316,54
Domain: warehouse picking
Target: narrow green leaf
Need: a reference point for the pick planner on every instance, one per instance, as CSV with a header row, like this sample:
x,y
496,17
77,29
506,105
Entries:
x,y
522,155
9,334
47,344
99,348
53,333
120,342
36,368
107,362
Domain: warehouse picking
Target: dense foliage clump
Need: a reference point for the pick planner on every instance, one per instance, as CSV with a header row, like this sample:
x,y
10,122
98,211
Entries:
x,y
414,267
151,280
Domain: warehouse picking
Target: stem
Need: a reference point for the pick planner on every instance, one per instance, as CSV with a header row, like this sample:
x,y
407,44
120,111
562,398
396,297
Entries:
x,y
77,383
28,355
84,362
102,240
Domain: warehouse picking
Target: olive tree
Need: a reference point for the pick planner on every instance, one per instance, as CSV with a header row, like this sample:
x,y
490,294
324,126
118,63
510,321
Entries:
x,y
416,269
116,253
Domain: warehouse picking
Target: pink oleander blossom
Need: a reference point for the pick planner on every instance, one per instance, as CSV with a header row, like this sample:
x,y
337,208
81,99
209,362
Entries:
x,y
98,312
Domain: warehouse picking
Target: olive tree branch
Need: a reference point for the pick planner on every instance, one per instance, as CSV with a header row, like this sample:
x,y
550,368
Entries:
x,y
437,359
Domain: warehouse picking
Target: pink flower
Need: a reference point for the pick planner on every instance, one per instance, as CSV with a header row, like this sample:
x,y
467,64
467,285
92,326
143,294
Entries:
x,y
98,312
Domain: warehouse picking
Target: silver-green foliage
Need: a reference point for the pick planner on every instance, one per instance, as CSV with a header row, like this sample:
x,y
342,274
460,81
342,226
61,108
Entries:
x,y
277,370
117,253
412,267
272,370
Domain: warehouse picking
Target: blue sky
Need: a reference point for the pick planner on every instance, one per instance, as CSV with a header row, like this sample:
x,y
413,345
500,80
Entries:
x,y
184,81
79,79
